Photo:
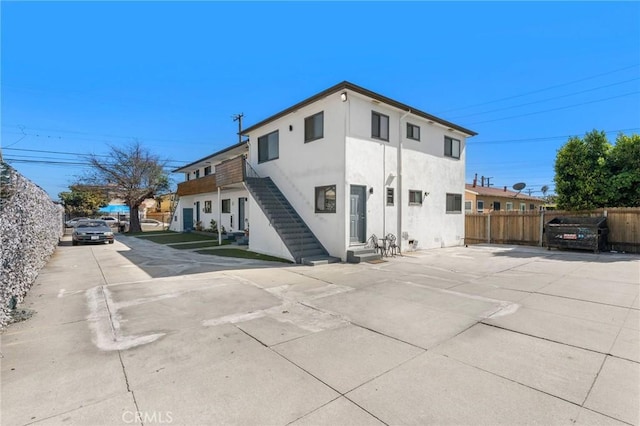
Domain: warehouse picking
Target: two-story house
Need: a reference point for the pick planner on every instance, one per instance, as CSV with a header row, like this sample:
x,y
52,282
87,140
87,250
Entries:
x,y
325,174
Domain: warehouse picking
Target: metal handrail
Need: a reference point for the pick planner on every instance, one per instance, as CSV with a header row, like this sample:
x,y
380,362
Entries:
x,y
250,172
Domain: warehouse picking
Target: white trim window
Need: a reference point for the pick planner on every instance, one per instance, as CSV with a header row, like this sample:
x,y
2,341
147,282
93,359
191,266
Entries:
x,y
269,147
468,207
451,147
314,127
509,206
379,126
480,206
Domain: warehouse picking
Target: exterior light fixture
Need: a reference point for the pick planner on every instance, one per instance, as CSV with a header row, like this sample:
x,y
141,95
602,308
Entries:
x,y
343,96
426,194
370,190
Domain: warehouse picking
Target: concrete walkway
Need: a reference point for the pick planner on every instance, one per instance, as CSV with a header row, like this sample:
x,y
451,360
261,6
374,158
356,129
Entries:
x,y
137,333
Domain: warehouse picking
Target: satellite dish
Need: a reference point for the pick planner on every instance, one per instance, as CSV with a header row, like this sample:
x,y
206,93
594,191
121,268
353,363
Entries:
x,y
519,186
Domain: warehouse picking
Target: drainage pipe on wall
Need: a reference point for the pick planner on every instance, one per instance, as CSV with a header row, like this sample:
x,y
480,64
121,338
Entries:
x,y
399,165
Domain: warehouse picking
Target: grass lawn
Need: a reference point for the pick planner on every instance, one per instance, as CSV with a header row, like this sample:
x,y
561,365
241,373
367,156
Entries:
x,y
201,244
245,254
174,237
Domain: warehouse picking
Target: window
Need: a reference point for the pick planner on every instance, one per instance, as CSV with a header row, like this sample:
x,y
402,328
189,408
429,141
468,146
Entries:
x,y
314,127
326,199
207,206
207,170
509,206
197,173
389,196
523,207
268,147
454,203
226,206
413,132
415,198
480,206
451,147
467,207
532,207
379,126
496,206
188,176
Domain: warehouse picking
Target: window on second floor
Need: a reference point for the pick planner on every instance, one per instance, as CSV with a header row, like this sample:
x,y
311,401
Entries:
x,y
314,127
379,126
451,147
268,147
207,170
197,173
413,132
226,206
454,203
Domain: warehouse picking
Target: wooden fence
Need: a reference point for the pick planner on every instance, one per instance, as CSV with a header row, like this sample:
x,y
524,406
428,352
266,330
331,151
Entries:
x,y
527,228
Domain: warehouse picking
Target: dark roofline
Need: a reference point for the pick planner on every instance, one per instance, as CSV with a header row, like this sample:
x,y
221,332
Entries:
x,y
345,85
229,148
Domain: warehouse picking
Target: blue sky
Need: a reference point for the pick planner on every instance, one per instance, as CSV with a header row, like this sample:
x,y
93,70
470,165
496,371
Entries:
x,y
77,77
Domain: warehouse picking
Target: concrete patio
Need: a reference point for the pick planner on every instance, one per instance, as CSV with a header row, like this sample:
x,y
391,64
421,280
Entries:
x,y
134,333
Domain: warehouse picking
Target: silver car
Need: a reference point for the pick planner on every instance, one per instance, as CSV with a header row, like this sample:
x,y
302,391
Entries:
x,y
91,231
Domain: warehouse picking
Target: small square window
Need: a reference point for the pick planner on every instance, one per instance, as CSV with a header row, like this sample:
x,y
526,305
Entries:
x,y
532,206
379,126
326,199
390,196
207,206
451,147
415,198
314,127
454,203
413,132
467,206
480,206
509,206
207,170
226,206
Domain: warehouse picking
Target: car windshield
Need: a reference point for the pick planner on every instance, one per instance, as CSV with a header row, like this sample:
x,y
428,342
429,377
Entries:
x,y
92,224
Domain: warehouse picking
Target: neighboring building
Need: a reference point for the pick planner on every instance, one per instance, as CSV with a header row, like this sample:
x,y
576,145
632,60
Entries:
x,y
485,199
325,174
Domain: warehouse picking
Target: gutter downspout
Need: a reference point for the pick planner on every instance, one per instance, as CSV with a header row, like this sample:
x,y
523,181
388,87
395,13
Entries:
x,y
219,218
399,239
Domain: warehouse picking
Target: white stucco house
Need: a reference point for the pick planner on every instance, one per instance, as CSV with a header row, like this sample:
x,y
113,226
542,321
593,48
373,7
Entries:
x,y
322,176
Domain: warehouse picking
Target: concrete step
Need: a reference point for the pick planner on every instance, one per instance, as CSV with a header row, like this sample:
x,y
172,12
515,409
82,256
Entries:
x,y
319,260
358,256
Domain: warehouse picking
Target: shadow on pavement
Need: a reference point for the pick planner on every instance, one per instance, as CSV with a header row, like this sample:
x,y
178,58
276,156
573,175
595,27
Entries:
x,y
528,252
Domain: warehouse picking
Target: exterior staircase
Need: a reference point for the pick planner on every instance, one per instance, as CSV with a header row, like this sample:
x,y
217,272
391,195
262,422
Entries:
x,y
294,232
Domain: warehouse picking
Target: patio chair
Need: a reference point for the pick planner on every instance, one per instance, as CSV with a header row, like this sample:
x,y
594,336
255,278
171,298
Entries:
x,y
374,243
392,245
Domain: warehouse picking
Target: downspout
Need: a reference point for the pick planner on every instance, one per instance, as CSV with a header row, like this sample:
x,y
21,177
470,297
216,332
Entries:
x,y
346,233
399,239
219,218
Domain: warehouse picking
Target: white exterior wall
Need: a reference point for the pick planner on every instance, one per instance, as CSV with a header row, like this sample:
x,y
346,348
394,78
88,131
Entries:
x,y
301,167
189,201
374,163
263,238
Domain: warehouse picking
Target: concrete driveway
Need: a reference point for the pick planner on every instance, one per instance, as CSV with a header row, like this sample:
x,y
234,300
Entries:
x,y
137,333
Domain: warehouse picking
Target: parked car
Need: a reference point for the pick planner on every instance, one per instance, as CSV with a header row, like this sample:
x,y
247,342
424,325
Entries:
x,y
91,231
72,222
153,225
111,221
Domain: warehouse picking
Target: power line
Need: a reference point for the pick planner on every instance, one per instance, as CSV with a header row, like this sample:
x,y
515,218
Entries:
x,y
178,162
541,138
546,100
556,109
541,90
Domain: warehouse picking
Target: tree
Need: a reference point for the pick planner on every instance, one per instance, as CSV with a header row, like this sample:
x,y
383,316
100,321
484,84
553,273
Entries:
x,y
591,173
544,189
131,173
82,200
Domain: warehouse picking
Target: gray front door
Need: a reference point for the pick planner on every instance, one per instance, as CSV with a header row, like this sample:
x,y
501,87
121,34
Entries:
x,y
358,215
241,225
187,219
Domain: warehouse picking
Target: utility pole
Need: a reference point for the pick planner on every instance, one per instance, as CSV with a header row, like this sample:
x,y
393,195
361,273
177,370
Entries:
x,y
238,118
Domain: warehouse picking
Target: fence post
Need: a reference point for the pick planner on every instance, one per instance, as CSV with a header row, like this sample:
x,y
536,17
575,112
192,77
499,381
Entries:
x,y
489,228
541,227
